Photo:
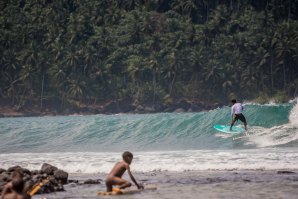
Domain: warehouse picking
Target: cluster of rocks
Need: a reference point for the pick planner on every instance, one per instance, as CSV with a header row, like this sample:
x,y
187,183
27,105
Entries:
x,y
53,179
56,178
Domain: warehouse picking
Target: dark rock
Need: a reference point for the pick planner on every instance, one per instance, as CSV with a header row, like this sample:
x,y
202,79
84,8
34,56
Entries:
x,y
48,169
28,185
36,178
47,188
73,181
180,110
5,176
34,172
111,107
285,172
26,171
61,176
190,110
59,187
40,172
140,108
94,111
159,107
26,177
125,107
91,181
149,110
44,176
23,170
195,107
169,109
2,170
183,104
53,180
55,176
12,169
72,184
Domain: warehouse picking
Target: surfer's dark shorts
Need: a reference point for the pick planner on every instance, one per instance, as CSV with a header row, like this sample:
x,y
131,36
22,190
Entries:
x,y
240,117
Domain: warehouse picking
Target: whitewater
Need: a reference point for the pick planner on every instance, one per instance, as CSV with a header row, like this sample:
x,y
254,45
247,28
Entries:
x,y
160,142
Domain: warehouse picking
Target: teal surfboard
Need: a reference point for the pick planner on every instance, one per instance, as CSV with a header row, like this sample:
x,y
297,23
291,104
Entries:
x,y
226,129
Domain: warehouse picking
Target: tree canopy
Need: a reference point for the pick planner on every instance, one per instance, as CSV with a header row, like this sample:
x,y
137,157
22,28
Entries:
x,y
65,52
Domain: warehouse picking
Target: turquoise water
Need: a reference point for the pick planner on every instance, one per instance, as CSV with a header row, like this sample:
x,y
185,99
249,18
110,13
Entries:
x,y
160,142
163,131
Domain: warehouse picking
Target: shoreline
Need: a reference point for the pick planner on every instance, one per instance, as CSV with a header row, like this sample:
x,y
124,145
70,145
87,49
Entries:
x,y
243,183
113,107
106,109
191,184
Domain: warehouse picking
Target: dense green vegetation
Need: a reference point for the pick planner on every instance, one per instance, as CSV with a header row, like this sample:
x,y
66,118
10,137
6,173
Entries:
x,y
64,52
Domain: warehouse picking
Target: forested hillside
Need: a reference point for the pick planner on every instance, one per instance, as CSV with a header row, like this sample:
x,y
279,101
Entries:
x,y
63,54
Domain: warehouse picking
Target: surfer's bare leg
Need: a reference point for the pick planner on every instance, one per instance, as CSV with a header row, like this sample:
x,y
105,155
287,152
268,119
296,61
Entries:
x,y
232,123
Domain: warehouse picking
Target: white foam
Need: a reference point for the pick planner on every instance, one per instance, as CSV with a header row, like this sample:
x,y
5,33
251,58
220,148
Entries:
x,y
294,116
277,135
266,137
269,159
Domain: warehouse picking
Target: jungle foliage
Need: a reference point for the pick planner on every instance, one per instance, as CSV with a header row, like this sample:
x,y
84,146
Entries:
x,y
146,51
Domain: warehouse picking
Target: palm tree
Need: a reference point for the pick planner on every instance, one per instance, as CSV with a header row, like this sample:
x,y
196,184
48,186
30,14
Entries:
x,y
175,63
286,47
77,88
59,81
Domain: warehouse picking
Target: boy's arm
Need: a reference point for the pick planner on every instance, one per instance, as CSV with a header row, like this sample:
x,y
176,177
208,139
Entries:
x,y
6,189
133,179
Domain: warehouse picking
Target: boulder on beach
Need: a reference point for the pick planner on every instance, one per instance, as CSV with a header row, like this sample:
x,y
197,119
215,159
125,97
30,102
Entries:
x,y
285,172
61,176
48,169
91,181
12,169
50,178
5,177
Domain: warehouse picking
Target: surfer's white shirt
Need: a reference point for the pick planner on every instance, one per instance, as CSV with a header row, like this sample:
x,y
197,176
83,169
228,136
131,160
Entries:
x,y
237,108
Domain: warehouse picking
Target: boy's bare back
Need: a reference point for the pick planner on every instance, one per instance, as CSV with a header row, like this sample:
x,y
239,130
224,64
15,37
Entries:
x,y
119,169
13,196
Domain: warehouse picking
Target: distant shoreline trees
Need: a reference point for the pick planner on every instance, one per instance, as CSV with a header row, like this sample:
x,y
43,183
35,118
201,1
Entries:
x,y
146,52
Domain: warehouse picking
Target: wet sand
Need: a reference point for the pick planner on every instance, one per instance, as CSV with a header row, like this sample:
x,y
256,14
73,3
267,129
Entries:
x,y
195,184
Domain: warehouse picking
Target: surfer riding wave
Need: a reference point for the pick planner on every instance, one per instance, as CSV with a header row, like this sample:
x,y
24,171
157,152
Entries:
x,y
236,114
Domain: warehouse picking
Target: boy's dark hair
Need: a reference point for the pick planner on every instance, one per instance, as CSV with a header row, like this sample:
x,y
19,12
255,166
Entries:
x,y
18,185
17,181
233,101
127,154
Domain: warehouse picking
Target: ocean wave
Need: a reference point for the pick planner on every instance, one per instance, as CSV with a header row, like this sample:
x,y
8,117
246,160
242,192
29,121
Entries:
x,y
275,125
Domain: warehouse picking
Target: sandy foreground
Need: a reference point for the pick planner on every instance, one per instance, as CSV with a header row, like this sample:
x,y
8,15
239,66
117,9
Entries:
x,y
195,184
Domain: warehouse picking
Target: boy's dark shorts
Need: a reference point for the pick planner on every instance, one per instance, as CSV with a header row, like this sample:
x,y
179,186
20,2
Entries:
x,y
240,117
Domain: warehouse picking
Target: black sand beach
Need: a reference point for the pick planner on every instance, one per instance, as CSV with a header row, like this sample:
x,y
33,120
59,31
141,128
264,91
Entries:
x,y
255,184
